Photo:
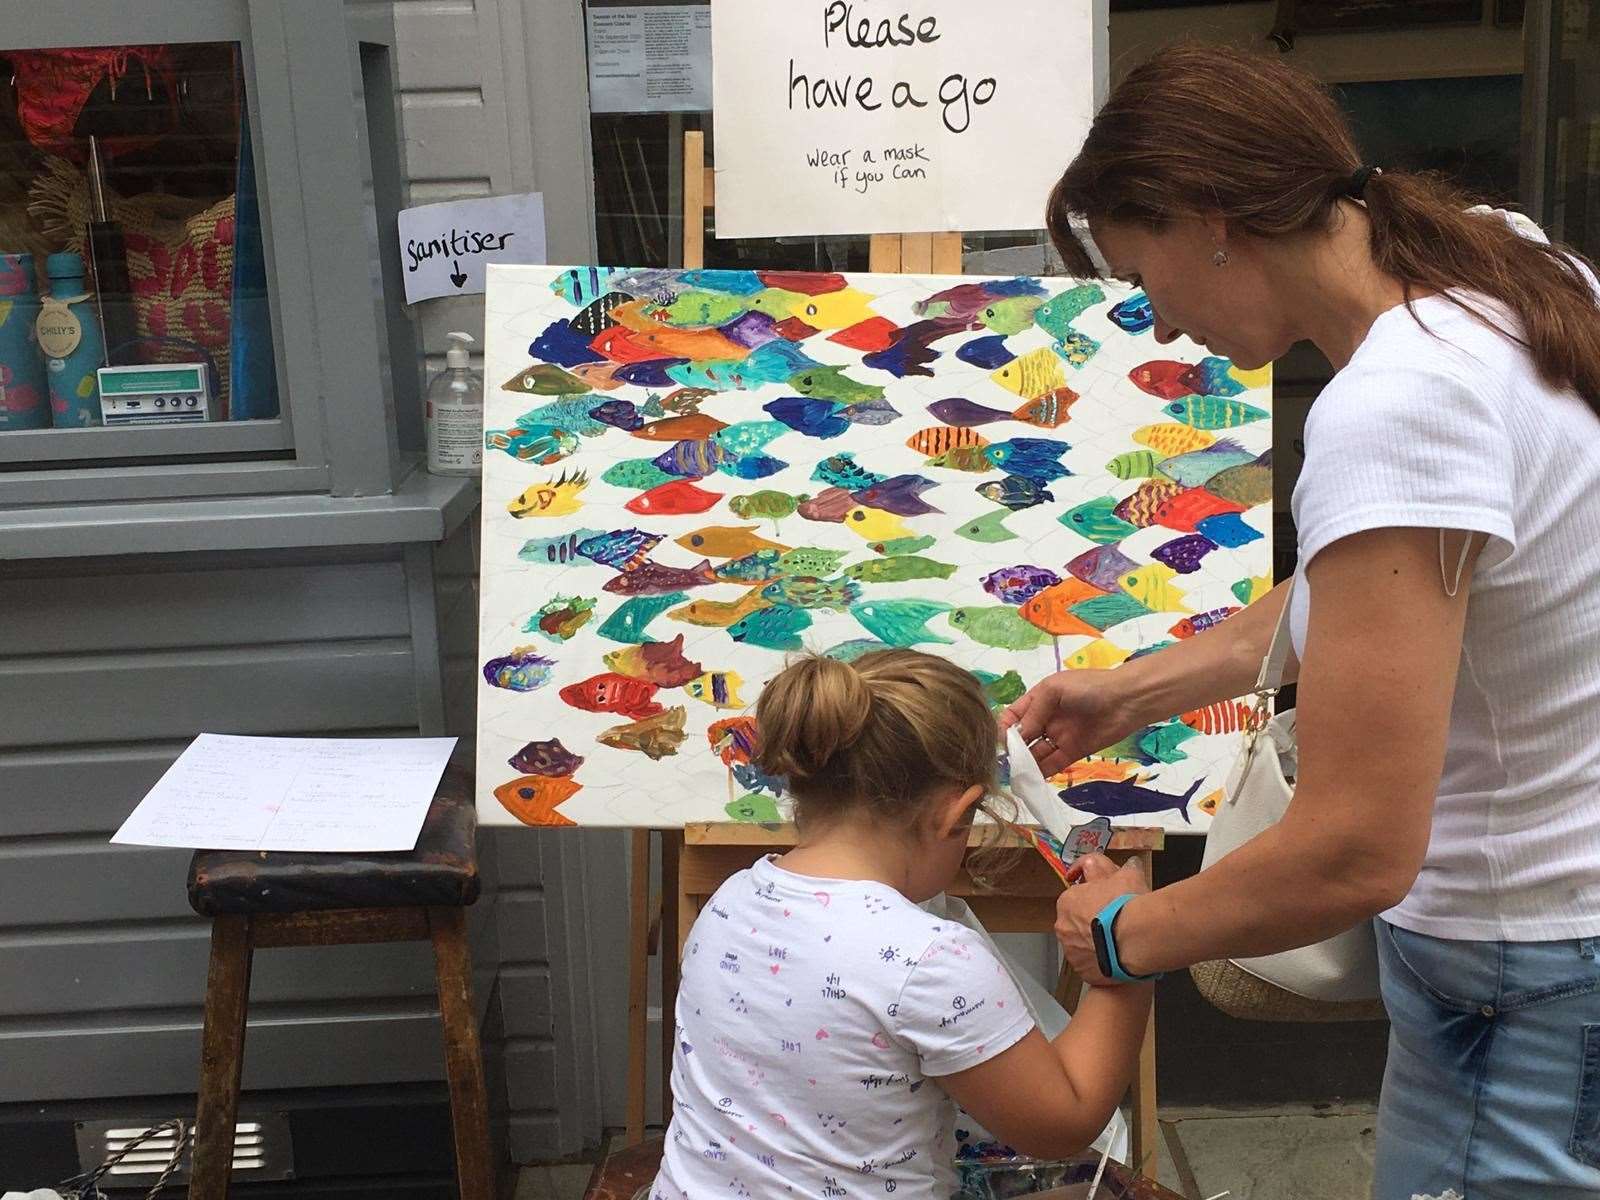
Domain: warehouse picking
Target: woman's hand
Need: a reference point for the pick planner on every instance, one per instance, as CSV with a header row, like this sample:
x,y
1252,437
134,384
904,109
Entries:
x,y
1101,883
1069,715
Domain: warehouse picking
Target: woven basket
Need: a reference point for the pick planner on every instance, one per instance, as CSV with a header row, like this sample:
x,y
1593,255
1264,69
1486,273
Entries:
x,y
1238,993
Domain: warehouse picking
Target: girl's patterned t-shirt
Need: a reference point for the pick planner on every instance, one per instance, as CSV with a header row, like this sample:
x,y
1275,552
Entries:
x,y
813,1020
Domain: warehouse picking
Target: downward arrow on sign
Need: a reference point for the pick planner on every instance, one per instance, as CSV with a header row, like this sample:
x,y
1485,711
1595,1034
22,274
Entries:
x,y
456,277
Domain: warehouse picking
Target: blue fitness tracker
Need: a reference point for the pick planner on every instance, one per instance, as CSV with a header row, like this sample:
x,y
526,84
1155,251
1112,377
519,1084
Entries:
x,y
1105,944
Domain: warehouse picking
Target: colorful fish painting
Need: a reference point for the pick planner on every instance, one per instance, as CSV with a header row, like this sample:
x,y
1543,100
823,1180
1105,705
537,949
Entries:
x,y
899,569
534,799
1019,584
655,736
558,498
549,758
1116,800
777,627
734,739
1000,626
900,622
1098,521
674,500
842,471
720,614
524,669
561,617
619,549
660,663
657,579
610,692
727,541
720,689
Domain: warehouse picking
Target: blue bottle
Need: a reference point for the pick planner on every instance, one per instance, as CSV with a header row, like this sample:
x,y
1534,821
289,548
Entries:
x,y
24,394
73,346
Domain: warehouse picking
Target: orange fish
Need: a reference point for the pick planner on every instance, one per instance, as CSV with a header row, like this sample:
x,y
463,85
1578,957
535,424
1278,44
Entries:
x,y
686,400
533,799
656,737
1141,507
873,334
1050,410
1188,508
1050,610
734,739
942,438
1225,716
701,345
598,375
692,427
611,692
719,614
634,316
1098,770
622,346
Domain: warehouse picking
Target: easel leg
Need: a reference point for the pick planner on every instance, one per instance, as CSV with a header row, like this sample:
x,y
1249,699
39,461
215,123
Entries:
x,y
638,981
672,933
1146,1131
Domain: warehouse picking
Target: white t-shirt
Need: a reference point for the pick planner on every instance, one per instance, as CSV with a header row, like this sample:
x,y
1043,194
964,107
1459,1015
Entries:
x,y
813,1017
1450,427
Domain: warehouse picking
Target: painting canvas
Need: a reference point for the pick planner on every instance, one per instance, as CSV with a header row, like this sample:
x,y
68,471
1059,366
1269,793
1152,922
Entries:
x,y
691,475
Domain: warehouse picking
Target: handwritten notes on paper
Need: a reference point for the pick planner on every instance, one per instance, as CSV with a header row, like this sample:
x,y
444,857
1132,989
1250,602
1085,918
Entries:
x,y
445,247
837,116
263,793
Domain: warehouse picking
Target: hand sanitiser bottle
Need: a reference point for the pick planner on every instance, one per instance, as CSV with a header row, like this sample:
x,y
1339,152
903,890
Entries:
x,y
455,414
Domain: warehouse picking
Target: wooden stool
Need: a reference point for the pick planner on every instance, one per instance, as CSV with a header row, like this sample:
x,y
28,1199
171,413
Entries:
x,y
259,899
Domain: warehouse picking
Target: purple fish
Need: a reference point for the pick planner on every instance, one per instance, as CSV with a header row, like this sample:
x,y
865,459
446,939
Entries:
x,y
876,411
522,670
692,459
912,349
621,549
901,495
1183,554
830,504
651,373
1019,584
619,414
752,331
563,345
986,353
966,414
1101,566
1210,620
546,758
653,579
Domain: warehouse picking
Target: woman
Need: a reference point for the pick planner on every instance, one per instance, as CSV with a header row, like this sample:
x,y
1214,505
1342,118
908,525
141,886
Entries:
x,y
1444,617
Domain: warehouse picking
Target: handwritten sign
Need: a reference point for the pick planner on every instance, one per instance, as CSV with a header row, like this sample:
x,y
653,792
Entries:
x,y
845,116
445,247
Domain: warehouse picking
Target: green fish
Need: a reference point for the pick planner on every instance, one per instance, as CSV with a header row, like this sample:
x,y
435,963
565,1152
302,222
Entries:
x,y
1011,315
638,473
628,623
1135,464
1213,412
748,437
964,458
899,569
842,471
560,617
831,383
895,547
545,379
1162,741
701,309
854,649
568,413
900,622
808,560
1056,315
1000,626
991,527
1198,467
756,567
1248,484
805,591
1105,611
1096,520
754,809
768,504
653,407
1001,690
775,628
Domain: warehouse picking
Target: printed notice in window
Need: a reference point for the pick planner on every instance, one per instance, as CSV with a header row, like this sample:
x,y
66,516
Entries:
x,y
650,58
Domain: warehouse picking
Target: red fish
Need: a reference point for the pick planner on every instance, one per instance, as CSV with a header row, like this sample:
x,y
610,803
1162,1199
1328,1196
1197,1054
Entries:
x,y
1225,716
1142,507
611,692
673,500
622,346
875,333
734,739
1188,508
804,282
1162,378
793,329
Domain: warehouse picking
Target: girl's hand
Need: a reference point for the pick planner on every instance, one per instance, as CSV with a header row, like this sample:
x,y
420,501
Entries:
x,y
1101,883
1069,715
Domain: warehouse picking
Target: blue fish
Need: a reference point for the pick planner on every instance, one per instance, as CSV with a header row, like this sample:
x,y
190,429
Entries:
x,y
1016,492
756,567
520,671
1077,348
842,471
753,779
619,414
734,283
986,353
1153,648
1103,799
541,444
620,549
876,411
1228,529
753,466
583,285
1133,315
901,495
697,459
655,372
1183,554
563,345
775,628
1212,376
774,362
814,418
749,437
570,413
556,551
900,622
1031,458
854,649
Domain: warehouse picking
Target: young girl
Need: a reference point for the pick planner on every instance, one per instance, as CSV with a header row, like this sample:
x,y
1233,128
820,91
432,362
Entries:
x,y
827,1025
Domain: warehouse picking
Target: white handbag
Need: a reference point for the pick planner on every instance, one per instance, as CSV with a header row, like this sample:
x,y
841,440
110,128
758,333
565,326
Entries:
x,y
1333,980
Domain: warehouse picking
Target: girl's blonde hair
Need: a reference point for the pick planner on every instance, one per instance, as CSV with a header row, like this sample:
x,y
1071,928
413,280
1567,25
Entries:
x,y
875,736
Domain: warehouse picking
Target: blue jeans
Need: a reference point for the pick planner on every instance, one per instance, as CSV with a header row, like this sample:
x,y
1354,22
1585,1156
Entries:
x,y
1492,1087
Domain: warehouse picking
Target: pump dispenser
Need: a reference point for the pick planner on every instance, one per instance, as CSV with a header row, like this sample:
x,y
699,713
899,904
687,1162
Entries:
x,y
455,413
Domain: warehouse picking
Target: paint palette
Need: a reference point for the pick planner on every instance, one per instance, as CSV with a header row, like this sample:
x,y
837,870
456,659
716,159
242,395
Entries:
x,y
689,475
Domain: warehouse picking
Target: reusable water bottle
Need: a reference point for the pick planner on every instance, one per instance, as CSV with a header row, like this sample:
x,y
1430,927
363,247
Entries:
x,y
74,349
24,394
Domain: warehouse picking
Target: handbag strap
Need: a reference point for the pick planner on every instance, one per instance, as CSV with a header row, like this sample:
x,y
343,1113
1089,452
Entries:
x,y
1271,676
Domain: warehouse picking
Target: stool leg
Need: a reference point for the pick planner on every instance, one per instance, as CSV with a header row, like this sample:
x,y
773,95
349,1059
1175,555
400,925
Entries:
x,y
463,1057
221,1057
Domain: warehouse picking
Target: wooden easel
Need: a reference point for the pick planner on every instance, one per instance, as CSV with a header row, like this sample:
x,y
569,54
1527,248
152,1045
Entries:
x,y
697,860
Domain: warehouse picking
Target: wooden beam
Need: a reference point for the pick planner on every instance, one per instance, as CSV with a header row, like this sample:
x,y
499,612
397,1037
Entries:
x,y
694,200
946,254
916,253
884,255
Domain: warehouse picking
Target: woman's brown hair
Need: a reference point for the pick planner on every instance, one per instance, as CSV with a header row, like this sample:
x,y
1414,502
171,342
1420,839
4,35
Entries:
x,y
1202,130
877,736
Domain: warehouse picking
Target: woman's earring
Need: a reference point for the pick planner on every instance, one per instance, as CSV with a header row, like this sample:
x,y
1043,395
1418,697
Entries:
x,y
1220,258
